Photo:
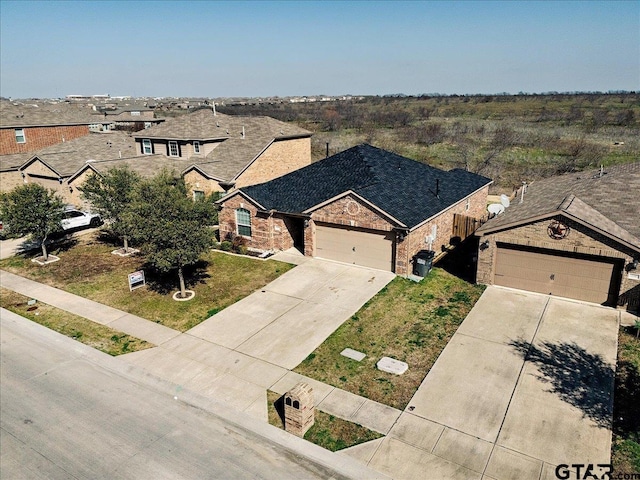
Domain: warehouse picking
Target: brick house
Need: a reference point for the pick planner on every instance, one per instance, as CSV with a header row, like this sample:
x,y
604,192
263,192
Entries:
x,y
227,151
53,167
28,128
575,235
364,206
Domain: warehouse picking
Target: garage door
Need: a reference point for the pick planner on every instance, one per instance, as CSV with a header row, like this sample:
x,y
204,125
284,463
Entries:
x,y
369,248
592,279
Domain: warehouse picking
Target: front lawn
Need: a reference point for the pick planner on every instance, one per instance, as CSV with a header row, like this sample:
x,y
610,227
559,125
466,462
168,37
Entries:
x,y
408,321
625,451
87,268
85,331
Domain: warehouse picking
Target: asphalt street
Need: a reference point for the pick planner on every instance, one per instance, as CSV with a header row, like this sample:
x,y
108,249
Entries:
x,y
68,411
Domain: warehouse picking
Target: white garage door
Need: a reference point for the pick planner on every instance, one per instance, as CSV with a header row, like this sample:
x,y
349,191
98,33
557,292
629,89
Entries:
x,y
369,248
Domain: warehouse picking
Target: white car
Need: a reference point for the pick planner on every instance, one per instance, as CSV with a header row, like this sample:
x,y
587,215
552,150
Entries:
x,y
78,219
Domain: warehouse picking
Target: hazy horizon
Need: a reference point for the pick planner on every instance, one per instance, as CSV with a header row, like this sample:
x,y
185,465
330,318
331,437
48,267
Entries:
x,y
287,49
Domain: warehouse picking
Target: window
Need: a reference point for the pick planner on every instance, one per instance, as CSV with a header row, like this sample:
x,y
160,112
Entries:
x,y
135,113
147,148
173,149
198,195
20,138
196,146
243,220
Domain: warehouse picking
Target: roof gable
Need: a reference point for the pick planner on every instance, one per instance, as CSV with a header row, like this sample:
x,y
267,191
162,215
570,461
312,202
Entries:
x,y
607,200
404,189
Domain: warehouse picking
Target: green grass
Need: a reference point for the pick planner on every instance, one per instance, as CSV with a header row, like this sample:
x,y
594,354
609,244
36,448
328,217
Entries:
x,y
328,431
625,450
85,331
407,321
90,270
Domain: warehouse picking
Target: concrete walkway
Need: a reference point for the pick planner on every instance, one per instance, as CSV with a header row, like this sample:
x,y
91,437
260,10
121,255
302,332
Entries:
x,y
525,384
239,379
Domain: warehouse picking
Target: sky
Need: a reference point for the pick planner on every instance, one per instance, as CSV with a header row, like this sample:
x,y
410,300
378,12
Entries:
x,y
51,49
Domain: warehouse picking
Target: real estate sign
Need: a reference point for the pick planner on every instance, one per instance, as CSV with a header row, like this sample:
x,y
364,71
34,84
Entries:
x,y
136,279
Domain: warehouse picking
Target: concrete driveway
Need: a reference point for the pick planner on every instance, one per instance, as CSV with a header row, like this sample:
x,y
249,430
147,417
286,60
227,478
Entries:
x,y
290,317
525,384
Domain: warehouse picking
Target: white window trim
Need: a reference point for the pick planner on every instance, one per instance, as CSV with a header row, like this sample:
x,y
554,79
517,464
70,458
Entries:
x,y
21,134
173,143
198,191
147,142
238,224
196,146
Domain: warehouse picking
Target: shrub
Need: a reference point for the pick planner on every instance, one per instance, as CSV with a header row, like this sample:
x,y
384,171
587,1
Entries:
x,y
226,246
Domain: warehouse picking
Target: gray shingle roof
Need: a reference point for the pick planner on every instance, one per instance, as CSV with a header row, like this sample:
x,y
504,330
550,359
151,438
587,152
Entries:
x,y
68,157
403,188
204,125
13,161
29,115
610,202
147,166
235,152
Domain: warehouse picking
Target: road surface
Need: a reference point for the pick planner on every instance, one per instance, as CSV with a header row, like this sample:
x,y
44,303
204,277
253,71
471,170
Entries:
x,y
69,412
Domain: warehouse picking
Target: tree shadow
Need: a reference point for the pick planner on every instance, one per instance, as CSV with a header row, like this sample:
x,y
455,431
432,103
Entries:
x,y
626,421
580,378
165,283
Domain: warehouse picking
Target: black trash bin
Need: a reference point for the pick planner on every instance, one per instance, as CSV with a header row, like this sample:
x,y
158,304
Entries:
x,y
422,262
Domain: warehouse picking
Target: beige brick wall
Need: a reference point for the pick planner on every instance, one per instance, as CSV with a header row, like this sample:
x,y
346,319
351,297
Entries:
x,y
280,158
10,180
196,181
580,240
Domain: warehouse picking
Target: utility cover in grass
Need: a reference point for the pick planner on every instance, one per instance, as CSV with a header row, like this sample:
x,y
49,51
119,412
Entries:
x,y
352,354
391,365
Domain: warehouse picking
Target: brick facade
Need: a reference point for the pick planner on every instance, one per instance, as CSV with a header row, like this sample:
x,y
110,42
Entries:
x,y
581,240
276,232
280,158
37,138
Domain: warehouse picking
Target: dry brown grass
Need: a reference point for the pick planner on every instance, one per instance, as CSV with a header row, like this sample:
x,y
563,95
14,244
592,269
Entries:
x,y
90,270
92,334
408,321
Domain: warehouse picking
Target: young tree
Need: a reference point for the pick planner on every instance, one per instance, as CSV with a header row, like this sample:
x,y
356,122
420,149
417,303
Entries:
x,y
111,195
173,230
33,210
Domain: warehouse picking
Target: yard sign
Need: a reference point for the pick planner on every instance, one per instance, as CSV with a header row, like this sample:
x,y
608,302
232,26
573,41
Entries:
x,y
136,279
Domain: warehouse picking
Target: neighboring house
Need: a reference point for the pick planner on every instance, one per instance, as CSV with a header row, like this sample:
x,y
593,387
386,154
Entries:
x,y
146,167
228,151
28,128
53,166
363,206
131,119
575,236
10,170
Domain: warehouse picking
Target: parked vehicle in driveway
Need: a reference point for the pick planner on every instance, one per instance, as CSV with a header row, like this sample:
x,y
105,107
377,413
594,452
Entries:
x,y
75,219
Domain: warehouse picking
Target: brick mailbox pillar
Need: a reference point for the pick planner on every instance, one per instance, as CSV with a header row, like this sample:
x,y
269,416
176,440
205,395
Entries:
x,y
299,410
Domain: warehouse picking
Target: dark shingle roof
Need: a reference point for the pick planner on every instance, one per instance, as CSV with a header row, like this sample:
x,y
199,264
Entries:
x,y
401,187
610,202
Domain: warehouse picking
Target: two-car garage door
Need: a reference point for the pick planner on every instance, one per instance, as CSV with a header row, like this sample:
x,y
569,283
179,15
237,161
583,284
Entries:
x,y
369,248
588,278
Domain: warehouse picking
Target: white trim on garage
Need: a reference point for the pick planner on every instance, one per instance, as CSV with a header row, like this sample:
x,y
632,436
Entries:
x,y
356,246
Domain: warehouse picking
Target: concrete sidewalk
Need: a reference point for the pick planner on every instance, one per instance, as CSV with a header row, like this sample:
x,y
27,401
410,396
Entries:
x,y
207,368
525,384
